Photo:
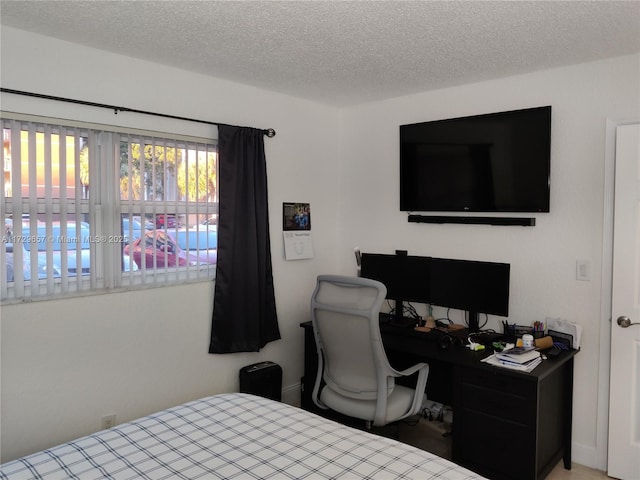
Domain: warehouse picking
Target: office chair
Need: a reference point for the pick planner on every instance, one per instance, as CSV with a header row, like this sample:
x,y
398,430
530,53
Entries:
x,y
354,375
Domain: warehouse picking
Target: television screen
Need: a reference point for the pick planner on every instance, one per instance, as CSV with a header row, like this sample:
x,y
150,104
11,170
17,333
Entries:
x,y
498,162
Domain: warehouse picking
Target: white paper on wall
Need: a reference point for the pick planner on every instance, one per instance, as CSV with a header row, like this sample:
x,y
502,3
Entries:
x,y
297,245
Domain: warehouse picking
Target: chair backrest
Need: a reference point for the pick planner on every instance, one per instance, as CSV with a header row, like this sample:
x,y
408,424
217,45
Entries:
x,y
344,314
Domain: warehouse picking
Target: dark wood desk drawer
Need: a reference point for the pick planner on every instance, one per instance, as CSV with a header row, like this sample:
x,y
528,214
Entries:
x,y
497,448
506,399
497,380
494,417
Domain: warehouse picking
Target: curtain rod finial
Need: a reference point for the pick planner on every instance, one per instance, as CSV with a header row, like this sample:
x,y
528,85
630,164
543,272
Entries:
x,y
270,132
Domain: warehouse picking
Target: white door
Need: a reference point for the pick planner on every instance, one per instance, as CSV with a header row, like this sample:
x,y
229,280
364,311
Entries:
x,y
624,407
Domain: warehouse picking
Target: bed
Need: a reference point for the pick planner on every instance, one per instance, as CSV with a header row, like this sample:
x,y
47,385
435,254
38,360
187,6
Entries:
x,y
233,436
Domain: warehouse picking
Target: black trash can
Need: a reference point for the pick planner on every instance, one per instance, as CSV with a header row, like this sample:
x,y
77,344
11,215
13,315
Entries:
x,y
263,379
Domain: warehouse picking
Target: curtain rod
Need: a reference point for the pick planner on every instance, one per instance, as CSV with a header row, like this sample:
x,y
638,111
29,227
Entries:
x,y
269,132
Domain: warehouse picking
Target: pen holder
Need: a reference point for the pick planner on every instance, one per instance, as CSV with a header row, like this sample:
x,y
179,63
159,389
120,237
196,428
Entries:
x,y
512,332
509,332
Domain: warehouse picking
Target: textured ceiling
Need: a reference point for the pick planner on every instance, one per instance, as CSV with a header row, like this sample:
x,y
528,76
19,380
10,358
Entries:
x,y
343,52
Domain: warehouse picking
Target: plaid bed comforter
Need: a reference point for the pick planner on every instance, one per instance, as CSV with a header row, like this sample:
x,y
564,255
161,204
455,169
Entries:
x,y
233,436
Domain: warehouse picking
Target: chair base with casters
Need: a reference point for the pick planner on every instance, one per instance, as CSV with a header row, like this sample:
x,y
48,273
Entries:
x,y
354,375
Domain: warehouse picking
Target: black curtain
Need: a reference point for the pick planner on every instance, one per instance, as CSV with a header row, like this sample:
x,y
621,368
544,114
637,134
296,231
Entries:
x,y
244,307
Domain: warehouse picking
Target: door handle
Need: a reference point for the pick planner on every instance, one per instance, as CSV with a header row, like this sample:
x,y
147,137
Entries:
x,y
625,322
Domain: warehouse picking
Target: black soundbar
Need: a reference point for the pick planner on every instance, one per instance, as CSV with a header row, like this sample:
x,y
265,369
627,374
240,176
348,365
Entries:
x,y
518,221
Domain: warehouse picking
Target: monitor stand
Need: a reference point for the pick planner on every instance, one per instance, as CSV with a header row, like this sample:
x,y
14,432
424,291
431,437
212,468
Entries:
x,y
398,319
474,324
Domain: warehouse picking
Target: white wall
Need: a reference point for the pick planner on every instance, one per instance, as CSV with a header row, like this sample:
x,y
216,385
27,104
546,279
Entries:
x,y
543,258
66,363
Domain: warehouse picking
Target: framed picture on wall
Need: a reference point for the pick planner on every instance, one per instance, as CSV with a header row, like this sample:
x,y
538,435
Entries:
x,y
296,216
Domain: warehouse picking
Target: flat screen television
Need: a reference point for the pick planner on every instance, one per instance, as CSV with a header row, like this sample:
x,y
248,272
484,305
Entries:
x,y
497,162
474,286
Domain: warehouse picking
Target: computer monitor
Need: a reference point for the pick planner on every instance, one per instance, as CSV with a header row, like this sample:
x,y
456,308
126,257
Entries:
x,y
405,276
477,287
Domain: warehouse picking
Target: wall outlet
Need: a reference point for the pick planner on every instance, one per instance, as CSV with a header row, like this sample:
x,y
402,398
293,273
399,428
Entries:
x,y
108,421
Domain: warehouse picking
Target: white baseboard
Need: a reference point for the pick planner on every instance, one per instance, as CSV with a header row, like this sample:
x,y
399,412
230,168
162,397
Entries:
x,y
291,395
588,456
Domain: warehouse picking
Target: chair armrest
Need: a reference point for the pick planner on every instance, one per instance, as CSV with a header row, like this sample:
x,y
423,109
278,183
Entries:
x,y
411,370
422,369
423,373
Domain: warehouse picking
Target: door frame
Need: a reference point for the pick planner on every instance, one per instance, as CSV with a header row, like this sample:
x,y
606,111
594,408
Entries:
x,y
604,361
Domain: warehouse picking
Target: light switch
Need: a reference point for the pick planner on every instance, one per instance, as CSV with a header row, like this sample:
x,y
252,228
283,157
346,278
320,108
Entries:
x,y
583,270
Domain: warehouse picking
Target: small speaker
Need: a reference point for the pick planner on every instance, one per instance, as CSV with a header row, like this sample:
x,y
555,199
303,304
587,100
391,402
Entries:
x,y
263,379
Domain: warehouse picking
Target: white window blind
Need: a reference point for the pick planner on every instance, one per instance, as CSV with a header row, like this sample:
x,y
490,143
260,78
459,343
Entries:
x,y
88,209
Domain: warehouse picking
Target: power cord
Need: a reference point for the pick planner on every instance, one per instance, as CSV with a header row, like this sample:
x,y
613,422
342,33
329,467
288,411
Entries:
x,y
434,412
410,311
439,413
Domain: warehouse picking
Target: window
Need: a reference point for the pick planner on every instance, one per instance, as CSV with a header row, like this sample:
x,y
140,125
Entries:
x,y
87,209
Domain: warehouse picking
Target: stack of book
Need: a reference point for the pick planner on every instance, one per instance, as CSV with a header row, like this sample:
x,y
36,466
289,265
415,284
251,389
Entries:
x,y
517,358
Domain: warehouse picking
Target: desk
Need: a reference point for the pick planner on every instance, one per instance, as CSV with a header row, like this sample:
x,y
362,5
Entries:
x,y
508,425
